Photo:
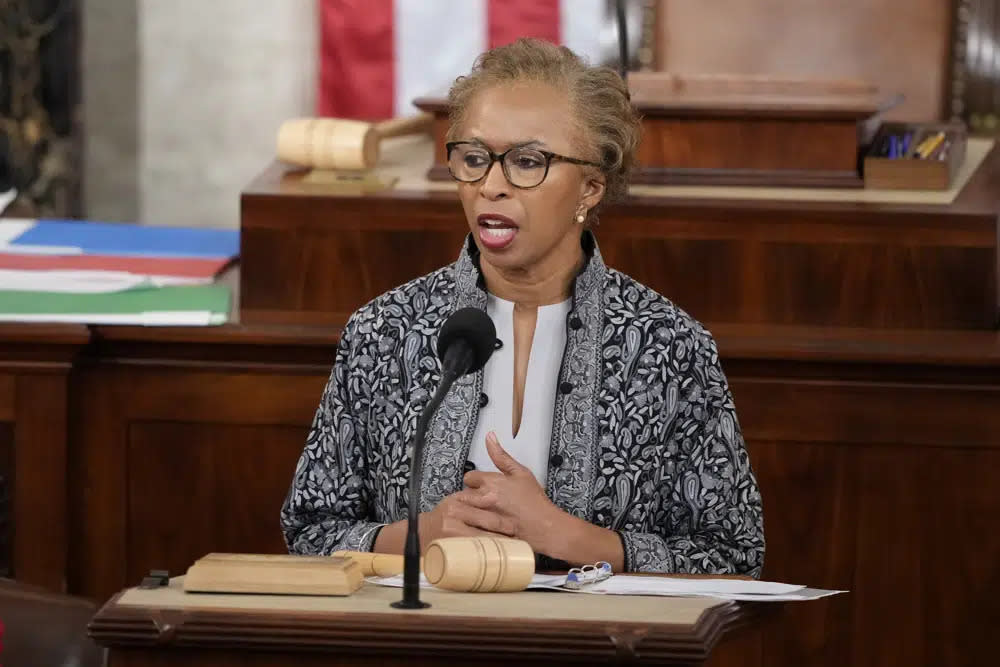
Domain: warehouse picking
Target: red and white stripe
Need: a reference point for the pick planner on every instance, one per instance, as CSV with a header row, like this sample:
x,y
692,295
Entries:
x,y
377,56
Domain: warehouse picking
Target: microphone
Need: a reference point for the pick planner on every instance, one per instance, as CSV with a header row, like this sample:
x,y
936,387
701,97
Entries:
x,y
464,346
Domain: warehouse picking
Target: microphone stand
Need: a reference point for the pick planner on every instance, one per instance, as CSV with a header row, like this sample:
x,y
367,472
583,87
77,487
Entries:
x,y
622,39
459,357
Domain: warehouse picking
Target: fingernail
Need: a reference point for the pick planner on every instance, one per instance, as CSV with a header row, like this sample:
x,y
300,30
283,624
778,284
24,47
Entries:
x,y
492,436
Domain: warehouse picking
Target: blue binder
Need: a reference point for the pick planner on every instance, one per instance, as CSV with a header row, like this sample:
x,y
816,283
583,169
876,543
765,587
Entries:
x,y
102,238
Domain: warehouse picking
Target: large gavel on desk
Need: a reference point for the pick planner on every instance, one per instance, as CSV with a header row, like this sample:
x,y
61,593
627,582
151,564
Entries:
x,y
342,144
464,564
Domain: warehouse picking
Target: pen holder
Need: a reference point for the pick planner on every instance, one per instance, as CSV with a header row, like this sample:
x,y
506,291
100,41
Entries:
x,y
479,564
915,156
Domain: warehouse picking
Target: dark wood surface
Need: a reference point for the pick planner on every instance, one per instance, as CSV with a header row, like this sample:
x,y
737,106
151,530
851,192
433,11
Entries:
x,y
737,151
35,361
746,262
172,635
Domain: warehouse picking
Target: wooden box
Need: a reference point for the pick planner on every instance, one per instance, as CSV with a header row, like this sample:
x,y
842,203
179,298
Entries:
x,y
895,161
728,130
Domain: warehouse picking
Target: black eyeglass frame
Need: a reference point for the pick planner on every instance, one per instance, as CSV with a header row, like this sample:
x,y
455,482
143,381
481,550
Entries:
x,y
494,157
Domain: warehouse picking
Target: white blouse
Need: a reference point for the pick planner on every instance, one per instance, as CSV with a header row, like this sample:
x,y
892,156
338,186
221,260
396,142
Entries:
x,y
531,446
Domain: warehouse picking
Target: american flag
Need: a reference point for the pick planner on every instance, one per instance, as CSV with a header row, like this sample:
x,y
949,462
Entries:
x,y
377,56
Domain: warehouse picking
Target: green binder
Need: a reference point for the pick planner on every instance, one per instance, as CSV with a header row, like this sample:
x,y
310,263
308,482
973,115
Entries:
x,y
185,305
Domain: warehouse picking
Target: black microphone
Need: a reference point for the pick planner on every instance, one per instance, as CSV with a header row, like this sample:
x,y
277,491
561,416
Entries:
x,y
464,346
622,39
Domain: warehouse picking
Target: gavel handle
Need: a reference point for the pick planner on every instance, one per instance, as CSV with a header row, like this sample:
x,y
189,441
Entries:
x,y
397,127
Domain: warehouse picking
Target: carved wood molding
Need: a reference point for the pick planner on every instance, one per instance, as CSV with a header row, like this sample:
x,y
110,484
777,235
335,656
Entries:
x,y
443,637
974,95
6,504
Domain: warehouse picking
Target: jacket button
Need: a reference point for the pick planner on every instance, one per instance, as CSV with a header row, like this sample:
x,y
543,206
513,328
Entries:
x,y
469,466
556,460
566,387
497,344
483,400
575,323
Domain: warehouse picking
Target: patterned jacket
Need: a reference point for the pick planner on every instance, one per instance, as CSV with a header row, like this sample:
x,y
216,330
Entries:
x,y
645,439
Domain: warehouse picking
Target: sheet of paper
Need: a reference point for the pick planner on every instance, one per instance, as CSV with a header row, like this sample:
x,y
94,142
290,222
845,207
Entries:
x,y
181,318
87,282
623,584
537,581
72,282
800,595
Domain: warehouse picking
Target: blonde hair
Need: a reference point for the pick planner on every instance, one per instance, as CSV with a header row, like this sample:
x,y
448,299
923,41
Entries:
x,y
606,120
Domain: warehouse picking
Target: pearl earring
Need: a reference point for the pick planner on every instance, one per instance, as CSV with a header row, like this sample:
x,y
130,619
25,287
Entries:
x,y
580,217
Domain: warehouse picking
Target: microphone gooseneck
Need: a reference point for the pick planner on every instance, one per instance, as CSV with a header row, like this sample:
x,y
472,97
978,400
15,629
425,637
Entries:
x,y
622,39
464,346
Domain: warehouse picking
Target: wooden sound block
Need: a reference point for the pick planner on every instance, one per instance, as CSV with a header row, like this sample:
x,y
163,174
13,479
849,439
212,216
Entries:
x,y
277,574
362,181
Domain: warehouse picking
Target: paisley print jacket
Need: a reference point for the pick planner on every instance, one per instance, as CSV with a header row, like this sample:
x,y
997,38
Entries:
x,y
645,439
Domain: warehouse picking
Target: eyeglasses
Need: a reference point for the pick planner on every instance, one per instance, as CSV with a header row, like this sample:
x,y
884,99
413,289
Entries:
x,y
524,167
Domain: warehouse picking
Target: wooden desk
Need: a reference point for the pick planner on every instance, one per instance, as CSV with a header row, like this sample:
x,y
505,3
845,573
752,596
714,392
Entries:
x,y
312,253
165,626
877,452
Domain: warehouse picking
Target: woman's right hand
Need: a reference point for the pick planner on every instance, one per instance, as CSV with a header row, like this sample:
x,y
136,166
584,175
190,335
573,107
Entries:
x,y
455,516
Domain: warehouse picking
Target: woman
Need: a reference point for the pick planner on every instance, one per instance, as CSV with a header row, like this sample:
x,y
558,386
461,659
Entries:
x,y
602,428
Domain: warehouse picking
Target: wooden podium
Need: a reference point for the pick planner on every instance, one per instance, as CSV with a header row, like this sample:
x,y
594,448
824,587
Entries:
x,y
165,626
734,130
311,254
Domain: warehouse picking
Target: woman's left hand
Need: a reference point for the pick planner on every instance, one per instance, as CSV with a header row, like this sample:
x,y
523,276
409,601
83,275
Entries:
x,y
516,494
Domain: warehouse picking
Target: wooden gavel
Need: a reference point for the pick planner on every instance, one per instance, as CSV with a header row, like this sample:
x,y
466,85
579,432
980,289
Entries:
x,y
336,143
467,564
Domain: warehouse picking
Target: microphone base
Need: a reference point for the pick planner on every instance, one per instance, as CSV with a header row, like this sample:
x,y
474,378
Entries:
x,y
410,604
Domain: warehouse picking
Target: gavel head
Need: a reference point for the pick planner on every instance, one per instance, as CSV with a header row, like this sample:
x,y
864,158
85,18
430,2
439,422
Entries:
x,y
328,143
479,564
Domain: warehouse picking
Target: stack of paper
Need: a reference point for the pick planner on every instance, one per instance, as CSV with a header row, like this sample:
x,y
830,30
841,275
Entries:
x,y
624,584
106,273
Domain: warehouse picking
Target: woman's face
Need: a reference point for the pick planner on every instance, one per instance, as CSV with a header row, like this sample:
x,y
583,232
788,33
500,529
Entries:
x,y
527,229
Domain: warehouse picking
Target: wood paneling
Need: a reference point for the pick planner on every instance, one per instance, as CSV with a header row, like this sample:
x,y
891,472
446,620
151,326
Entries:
x,y
885,489
8,409
724,261
6,499
900,45
817,282
910,533
975,71
34,365
762,148
176,458
40,483
233,480
336,254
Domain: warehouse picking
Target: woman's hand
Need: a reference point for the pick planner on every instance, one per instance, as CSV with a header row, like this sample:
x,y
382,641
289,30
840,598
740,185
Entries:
x,y
457,516
516,496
